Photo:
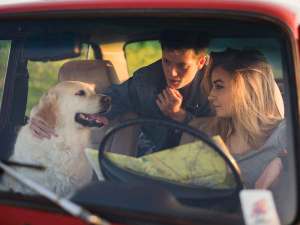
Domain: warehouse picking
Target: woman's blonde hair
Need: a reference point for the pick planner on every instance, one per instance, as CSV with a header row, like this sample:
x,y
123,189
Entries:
x,y
255,112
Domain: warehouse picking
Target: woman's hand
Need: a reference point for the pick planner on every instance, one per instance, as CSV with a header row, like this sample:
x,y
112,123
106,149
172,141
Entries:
x,y
40,128
270,174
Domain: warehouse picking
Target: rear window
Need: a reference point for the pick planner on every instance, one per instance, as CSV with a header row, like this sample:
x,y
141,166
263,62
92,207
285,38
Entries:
x,y
142,53
43,75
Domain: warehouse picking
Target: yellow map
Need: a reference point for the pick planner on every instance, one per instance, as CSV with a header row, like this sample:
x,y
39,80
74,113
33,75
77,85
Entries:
x,y
189,164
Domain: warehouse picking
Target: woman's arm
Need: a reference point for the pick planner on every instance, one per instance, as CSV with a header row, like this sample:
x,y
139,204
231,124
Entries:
x,y
270,174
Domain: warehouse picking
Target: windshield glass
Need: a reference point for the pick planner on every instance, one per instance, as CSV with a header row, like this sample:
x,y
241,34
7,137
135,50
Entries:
x,y
210,107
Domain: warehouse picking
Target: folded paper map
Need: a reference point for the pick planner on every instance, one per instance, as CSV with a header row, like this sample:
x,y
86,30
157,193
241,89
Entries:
x,y
190,164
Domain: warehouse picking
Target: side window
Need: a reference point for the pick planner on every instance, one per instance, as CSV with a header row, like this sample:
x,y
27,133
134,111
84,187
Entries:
x,y
142,53
270,47
4,54
43,75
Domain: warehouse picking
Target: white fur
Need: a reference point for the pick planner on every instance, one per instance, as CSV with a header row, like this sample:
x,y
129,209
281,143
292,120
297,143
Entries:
x,y
63,156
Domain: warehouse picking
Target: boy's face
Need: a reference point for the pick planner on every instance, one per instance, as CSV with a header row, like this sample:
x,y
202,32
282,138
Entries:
x,y
181,66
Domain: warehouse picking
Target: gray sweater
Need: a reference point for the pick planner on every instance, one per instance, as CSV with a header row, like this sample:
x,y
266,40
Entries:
x,y
254,162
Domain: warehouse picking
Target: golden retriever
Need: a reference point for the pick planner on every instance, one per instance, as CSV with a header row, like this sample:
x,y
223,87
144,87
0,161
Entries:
x,y
70,108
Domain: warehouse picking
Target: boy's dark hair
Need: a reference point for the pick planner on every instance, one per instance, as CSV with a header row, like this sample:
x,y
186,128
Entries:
x,y
184,39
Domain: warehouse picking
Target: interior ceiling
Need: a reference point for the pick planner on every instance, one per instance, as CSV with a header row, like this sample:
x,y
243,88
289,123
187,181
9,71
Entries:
x,y
109,30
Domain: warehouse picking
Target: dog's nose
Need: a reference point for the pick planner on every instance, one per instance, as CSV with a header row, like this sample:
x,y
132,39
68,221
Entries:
x,y
105,100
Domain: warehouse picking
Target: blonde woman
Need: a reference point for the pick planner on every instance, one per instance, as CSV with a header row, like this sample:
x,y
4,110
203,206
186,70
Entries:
x,y
242,91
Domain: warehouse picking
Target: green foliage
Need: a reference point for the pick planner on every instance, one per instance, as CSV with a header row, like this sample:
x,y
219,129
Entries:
x,y
4,54
139,54
42,75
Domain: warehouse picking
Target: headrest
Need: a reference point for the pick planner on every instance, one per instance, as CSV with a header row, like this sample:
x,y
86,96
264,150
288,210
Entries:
x,y
98,72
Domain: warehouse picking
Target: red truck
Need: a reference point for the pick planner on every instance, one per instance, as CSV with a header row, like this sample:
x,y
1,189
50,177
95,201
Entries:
x,y
43,41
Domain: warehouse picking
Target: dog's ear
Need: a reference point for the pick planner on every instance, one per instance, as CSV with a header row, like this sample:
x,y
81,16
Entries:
x,y
47,109
92,86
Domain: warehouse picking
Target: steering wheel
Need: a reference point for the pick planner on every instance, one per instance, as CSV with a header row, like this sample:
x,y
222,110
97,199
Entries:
x,y
190,194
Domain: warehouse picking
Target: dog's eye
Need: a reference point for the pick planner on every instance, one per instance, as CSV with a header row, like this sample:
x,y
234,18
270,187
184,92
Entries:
x,y
80,93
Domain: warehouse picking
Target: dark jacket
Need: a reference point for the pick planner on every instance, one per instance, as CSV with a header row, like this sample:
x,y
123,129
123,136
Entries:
x,y
139,94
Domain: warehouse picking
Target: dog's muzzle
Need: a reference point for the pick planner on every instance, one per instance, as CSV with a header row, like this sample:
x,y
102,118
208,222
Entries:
x,y
96,119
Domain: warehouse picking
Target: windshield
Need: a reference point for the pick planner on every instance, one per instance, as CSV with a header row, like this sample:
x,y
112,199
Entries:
x,y
208,108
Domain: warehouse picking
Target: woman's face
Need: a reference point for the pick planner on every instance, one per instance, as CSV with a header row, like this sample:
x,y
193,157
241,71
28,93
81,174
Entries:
x,y
220,96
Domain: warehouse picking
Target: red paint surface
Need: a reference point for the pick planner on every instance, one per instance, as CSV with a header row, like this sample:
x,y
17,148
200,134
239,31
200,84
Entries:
x,y
286,14
19,216
14,216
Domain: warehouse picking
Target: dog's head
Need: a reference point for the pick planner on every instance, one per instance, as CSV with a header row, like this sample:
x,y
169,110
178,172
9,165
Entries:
x,y
71,101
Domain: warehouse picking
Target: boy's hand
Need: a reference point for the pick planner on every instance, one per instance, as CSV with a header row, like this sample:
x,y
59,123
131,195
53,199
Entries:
x,y
169,102
40,128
